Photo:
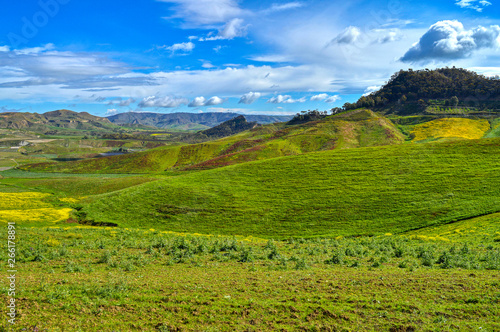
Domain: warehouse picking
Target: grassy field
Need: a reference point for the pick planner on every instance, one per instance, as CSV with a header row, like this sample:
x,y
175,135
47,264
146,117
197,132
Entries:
x,y
346,192
88,279
403,237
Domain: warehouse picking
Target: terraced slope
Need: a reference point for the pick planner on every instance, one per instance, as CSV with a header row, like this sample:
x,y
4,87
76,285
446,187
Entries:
x,y
375,190
359,128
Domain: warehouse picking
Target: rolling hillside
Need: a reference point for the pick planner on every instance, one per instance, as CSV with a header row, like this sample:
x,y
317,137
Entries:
x,y
60,121
364,191
358,128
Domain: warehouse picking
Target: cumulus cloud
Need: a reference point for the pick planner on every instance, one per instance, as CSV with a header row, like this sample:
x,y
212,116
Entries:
x,y
249,98
319,97
111,111
205,12
4,48
325,97
164,102
332,99
477,5
448,40
184,48
371,89
350,35
285,99
201,101
389,37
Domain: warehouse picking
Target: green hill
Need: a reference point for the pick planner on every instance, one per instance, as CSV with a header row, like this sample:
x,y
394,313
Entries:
x,y
359,128
374,190
448,91
61,121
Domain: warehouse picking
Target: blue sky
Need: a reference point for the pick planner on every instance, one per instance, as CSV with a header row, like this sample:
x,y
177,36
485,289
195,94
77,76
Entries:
x,y
254,57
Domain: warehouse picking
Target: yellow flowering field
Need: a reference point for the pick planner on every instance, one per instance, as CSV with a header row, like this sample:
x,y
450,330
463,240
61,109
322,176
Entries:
x,y
29,208
18,201
451,128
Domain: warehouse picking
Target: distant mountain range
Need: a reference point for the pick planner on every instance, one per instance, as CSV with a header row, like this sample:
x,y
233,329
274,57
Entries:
x,y
189,121
66,121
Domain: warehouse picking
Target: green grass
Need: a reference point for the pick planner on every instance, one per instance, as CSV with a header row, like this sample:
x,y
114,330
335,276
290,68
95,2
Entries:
x,y
359,128
344,192
74,279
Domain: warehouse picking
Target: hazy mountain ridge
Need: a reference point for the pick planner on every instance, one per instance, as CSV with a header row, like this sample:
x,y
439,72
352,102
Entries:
x,y
193,121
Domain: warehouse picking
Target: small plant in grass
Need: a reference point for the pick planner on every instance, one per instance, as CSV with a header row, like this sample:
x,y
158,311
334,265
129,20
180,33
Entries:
x,y
403,264
105,258
72,267
336,259
246,255
301,264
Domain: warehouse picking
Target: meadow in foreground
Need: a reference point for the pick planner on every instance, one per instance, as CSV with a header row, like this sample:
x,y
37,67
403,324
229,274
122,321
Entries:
x,y
84,278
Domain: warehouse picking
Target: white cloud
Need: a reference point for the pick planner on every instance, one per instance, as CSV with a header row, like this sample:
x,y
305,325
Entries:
x,y
126,102
226,110
205,12
389,37
4,48
332,99
319,97
111,111
249,98
326,98
207,64
477,5
446,40
350,35
231,30
165,102
281,7
271,58
201,101
35,50
286,99
187,47
371,89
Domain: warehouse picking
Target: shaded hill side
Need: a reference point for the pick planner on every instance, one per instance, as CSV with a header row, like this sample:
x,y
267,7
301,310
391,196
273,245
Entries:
x,y
230,127
354,129
56,120
390,189
189,121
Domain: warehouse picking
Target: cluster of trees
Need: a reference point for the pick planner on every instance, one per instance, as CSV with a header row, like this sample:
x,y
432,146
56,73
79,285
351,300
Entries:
x,y
228,128
450,85
444,83
306,116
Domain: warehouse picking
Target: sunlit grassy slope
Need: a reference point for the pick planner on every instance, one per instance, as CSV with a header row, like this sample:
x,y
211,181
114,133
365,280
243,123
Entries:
x,y
343,192
451,128
359,128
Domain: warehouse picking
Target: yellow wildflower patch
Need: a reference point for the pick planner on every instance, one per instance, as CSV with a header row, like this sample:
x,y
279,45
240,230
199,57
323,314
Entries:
x,y
34,215
69,200
451,128
18,201
29,208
